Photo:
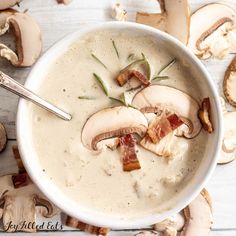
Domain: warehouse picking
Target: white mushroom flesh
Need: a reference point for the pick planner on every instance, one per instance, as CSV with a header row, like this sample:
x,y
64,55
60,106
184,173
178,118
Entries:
x,y
212,35
165,98
4,4
199,217
119,13
119,121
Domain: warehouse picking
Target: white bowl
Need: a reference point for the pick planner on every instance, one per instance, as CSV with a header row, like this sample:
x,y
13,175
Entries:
x,y
31,161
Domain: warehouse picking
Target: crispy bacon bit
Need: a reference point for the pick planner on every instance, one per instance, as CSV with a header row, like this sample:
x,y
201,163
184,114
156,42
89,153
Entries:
x,y
204,115
72,222
126,75
21,180
162,126
19,162
128,153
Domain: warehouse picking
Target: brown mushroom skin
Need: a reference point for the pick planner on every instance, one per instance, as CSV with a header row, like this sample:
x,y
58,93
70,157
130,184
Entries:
x,y
3,138
231,69
5,4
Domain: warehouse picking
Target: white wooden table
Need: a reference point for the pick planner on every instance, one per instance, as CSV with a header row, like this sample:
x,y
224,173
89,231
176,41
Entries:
x,y
59,20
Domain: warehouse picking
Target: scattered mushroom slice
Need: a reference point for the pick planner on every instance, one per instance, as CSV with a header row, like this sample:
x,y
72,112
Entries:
x,y
229,83
3,138
147,233
21,180
198,215
171,225
158,98
17,156
205,115
212,35
173,19
119,121
72,222
19,205
5,4
66,2
118,13
228,151
28,39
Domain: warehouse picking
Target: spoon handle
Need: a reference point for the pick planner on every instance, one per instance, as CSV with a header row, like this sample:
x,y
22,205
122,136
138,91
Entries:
x,y
15,87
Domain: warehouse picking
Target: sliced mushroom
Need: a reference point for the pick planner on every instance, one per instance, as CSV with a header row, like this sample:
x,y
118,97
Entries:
x,y
16,153
229,83
228,151
173,19
72,222
119,121
119,13
171,225
3,138
5,4
66,2
198,215
28,38
204,115
147,233
211,31
157,99
19,205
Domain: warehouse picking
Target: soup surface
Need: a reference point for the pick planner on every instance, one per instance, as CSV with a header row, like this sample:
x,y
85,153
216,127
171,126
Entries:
x,y
96,179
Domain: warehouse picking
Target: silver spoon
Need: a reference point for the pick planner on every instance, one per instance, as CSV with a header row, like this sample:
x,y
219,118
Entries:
x,y
15,87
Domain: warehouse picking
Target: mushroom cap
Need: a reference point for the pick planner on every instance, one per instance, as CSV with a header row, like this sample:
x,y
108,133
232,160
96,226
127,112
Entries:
x,y
229,83
112,122
4,4
164,98
202,26
27,35
198,216
173,19
228,151
3,138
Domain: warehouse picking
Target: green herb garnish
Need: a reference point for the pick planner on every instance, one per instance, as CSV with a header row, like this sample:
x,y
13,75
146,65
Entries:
x,y
101,83
167,67
122,100
131,57
98,60
114,46
86,97
160,77
148,66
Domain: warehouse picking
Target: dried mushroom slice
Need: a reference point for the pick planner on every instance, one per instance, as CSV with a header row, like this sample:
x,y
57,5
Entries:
x,y
19,205
198,215
3,138
158,98
173,19
27,35
74,223
229,83
16,153
65,2
228,150
211,31
204,115
119,121
5,4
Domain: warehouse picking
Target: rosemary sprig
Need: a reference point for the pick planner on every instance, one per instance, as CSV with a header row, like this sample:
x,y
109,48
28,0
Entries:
x,y
86,97
166,67
160,77
131,57
101,83
114,46
98,60
122,100
148,66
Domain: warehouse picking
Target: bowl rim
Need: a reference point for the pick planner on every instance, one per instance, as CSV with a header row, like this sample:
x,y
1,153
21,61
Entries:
x,y
107,221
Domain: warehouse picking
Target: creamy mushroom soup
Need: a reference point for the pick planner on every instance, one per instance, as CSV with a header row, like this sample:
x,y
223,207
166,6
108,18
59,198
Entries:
x,y
132,145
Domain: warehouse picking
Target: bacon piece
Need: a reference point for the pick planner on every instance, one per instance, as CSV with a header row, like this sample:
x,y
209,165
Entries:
x,y
19,162
128,153
204,115
72,222
162,126
126,75
21,180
